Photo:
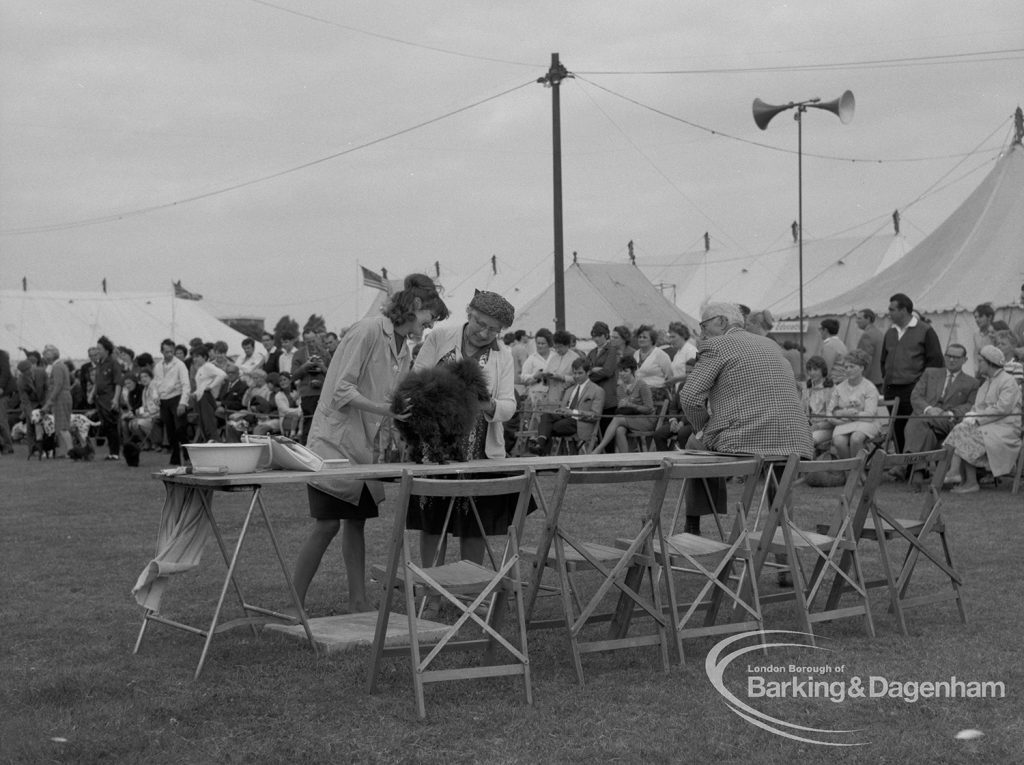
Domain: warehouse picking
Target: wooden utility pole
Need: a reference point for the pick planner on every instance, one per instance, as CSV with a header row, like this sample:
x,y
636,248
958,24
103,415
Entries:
x,y
553,79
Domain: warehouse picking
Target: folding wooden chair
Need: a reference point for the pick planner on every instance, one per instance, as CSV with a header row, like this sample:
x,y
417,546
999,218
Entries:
x,y
875,521
619,569
714,560
1018,471
780,534
886,438
467,586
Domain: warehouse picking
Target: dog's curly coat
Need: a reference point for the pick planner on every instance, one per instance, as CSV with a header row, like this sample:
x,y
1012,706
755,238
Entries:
x,y
443,403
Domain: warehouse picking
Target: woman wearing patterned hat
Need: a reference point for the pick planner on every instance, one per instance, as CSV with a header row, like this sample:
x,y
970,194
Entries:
x,y
989,435
478,338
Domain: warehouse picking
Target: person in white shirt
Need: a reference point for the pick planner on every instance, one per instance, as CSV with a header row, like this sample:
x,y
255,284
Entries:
x,y
287,354
653,365
253,356
678,337
170,379
209,378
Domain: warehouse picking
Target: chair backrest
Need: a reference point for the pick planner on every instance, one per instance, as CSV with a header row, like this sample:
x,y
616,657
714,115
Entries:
x,y
887,435
934,462
589,477
662,411
747,469
847,494
1018,473
468,488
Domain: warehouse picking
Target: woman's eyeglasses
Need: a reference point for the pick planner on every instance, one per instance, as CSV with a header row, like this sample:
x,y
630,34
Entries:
x,y
480,326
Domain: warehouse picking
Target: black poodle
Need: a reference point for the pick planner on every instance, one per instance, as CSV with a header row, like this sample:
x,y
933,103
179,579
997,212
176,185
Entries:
x,y
443,403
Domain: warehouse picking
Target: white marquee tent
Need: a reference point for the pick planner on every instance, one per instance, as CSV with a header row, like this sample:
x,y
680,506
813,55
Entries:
x,y
975,256
73,321
617,294
770,280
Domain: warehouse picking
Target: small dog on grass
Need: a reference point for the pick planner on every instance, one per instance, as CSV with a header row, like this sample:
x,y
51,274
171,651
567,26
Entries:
x,y
45,444
443,404
82,427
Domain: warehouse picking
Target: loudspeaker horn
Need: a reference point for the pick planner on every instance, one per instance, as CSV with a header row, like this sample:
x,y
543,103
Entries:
x,y
842,107
763,112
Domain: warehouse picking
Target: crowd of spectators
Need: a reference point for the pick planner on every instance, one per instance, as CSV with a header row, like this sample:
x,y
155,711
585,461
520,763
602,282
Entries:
x,y
625,383
129,402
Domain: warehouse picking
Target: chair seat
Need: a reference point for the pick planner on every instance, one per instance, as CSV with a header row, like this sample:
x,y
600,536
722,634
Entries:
x,y
574,559
912,526
685,544
778,543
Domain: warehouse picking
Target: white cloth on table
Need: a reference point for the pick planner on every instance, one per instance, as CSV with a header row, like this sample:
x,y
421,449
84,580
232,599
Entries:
x,y
184,531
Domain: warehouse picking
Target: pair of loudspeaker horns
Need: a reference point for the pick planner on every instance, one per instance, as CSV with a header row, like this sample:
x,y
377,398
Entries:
x,y
842,107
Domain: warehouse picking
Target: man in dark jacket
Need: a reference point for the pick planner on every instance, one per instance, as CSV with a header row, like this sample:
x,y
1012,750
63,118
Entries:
x,y
106,396
908,348
604,370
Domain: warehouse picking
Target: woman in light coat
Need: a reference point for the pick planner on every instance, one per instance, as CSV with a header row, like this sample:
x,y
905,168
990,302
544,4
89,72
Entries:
x,y
369,362
989,435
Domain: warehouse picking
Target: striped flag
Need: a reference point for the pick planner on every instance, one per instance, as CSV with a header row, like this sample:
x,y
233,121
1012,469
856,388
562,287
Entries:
x,y
371,279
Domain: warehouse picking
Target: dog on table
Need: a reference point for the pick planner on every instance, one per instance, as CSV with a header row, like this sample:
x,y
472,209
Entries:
x,y
45,444
442,404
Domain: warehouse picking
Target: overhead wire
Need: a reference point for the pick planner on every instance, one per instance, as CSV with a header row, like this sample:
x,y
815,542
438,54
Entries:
x,y
390,38
761,144
1005,54
652,163
253,181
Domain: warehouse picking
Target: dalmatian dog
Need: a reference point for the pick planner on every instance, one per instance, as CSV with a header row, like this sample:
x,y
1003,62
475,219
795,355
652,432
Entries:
x,y
81,426
45,444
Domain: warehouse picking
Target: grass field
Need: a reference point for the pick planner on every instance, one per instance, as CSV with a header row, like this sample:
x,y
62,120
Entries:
x,y
74,537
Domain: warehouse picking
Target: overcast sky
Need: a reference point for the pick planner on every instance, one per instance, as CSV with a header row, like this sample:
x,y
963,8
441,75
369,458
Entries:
x,y
219,142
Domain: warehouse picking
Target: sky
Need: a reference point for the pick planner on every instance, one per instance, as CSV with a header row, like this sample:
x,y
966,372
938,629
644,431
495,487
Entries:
x,y
262,151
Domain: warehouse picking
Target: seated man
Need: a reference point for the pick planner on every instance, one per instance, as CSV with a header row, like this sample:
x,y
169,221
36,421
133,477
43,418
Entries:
x,y
232,393
940,399
577,414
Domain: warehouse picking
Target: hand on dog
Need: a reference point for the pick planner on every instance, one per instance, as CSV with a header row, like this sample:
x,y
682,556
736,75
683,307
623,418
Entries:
x,y
405,414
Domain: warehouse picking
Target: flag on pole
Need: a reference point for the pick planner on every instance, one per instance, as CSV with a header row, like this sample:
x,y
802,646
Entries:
x,y
184,294
370,279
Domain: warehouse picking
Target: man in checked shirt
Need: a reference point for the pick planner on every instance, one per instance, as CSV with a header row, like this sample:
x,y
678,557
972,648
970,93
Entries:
x,y
740,398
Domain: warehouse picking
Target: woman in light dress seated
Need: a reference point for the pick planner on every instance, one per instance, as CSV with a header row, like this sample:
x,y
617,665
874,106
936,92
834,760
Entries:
x,y
816,396
288,415
653,365
557,372
145,424
532,377
853,408
989,435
